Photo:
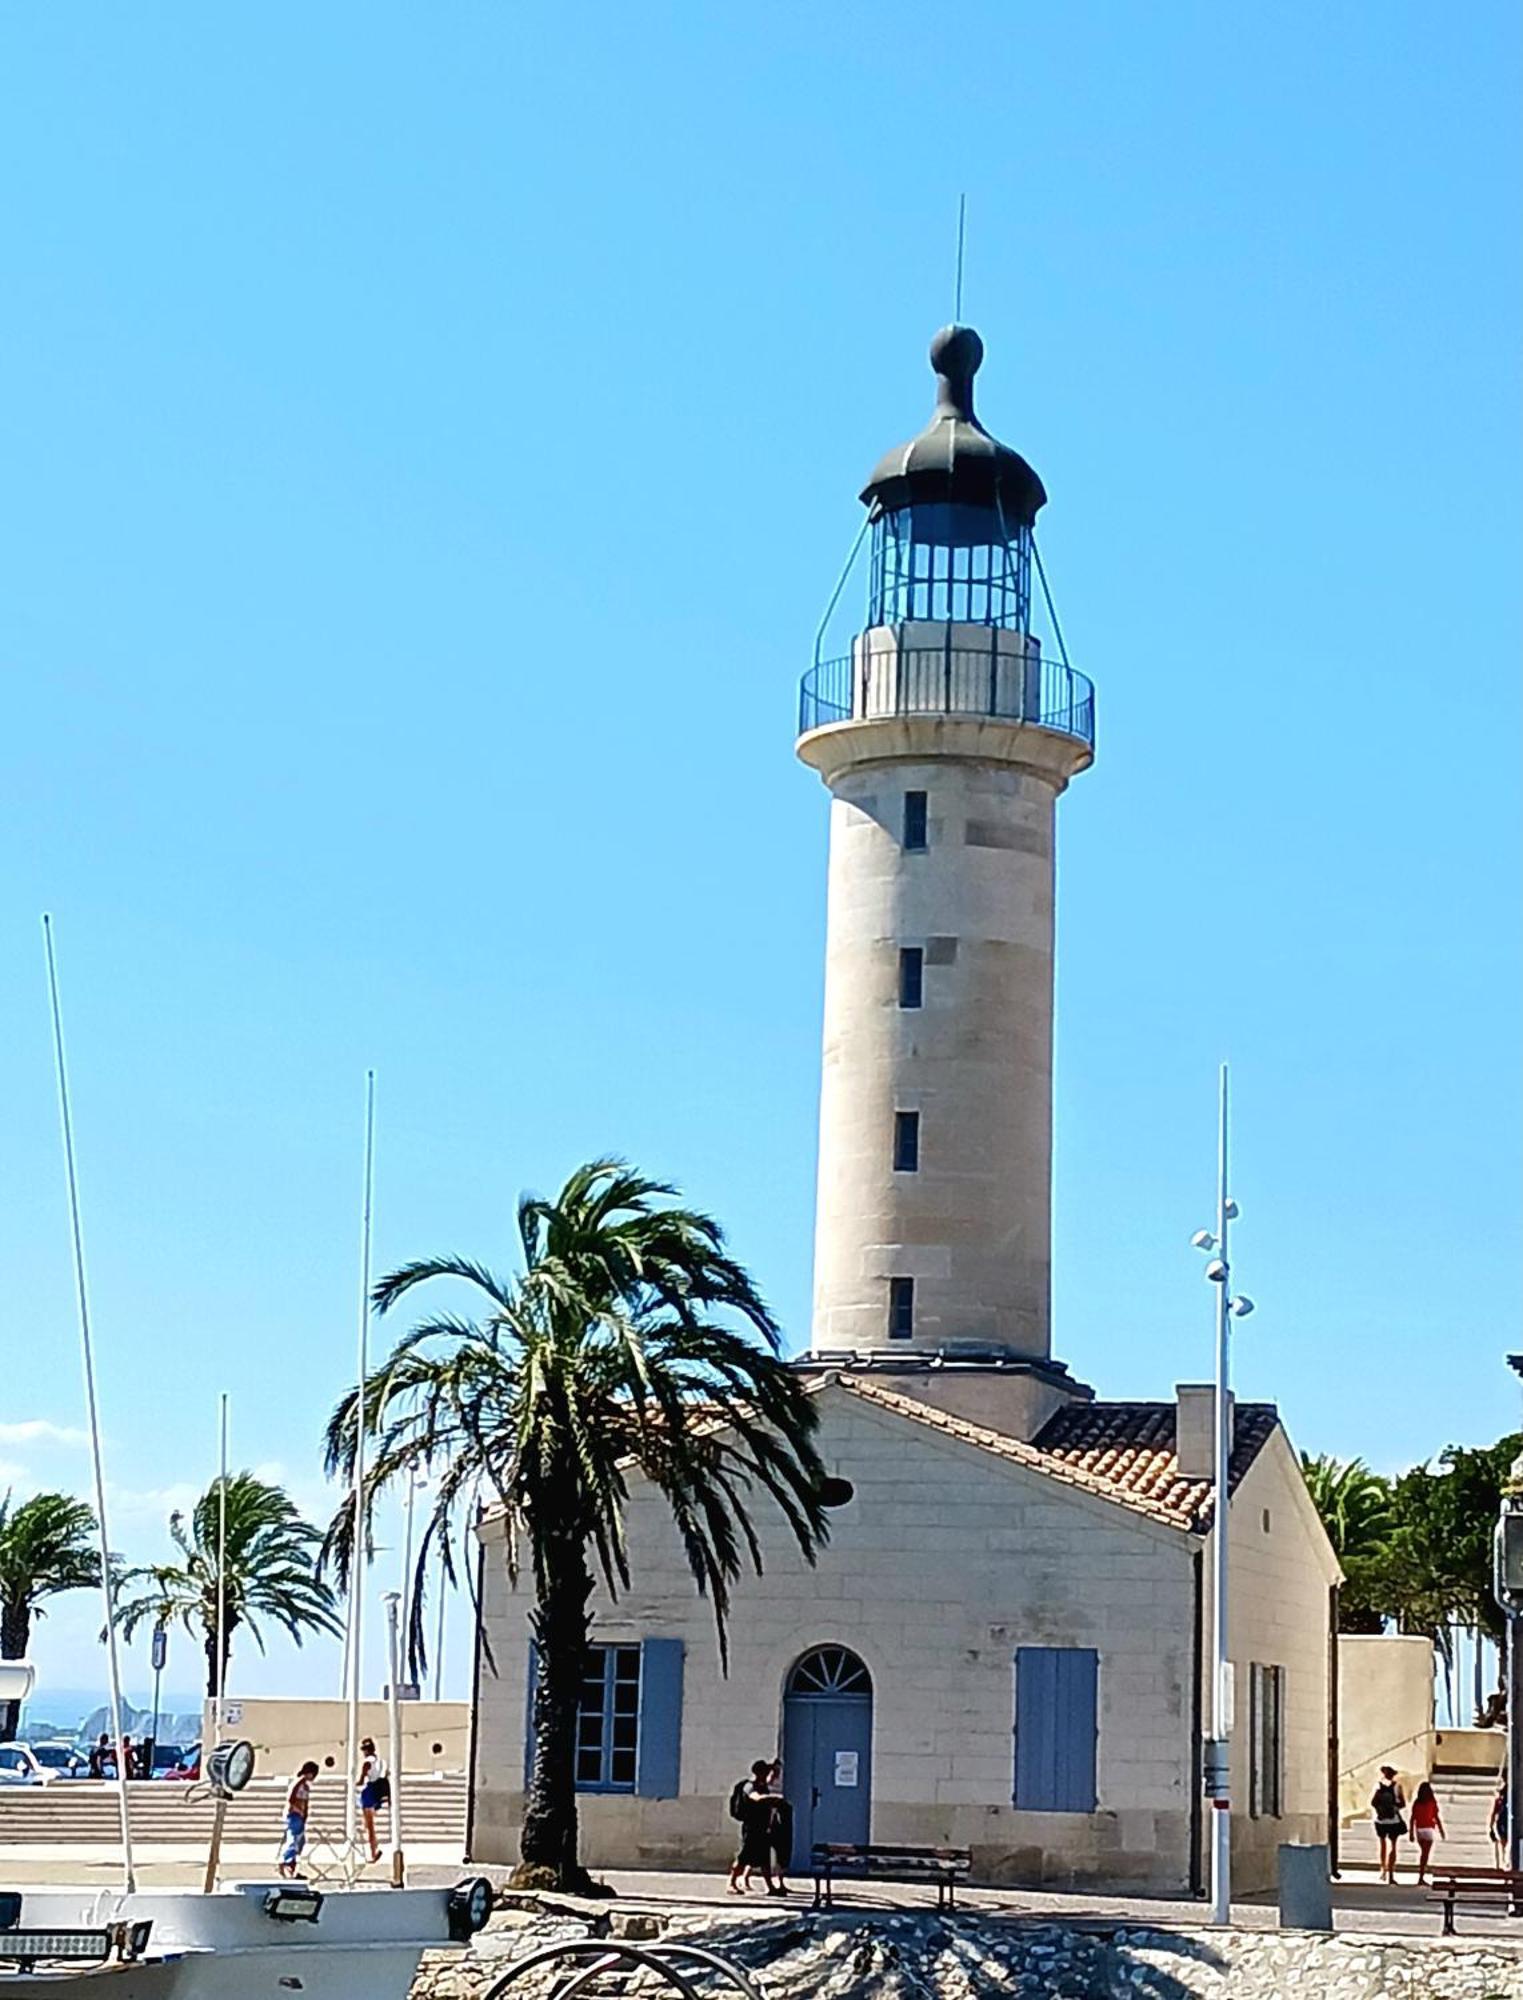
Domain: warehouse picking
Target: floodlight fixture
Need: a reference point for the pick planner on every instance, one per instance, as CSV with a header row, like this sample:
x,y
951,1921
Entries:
x,y
1216,1271
1203,1240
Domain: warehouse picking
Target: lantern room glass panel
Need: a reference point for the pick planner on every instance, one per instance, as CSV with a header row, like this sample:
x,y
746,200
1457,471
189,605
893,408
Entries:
x,y
945,562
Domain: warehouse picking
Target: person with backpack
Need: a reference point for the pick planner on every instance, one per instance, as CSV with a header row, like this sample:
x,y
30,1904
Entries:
x,y
1427,1826
1386,1809
375,1791
753,1802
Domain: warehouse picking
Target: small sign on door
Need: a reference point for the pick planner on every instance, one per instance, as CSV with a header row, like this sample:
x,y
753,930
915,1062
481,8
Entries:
x,y
846,1769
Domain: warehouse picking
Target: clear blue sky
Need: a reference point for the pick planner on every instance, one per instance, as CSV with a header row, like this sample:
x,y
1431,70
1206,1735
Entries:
x,y
429,439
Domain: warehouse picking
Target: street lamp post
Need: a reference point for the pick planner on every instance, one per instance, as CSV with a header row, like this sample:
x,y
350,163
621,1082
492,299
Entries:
x,y
1215,1774
1508,1590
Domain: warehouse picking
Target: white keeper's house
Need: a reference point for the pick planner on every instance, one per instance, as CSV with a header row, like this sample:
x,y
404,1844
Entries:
x,y
1006,1644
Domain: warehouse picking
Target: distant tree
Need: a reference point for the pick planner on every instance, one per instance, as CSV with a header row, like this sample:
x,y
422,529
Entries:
x,y
632,1343
1417,1550
271,1574
47,1546
1356,1509
1440,1559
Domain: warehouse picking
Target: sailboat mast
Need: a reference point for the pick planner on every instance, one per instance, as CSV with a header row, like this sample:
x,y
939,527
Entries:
x,y
357,1553
221,1564
82,1294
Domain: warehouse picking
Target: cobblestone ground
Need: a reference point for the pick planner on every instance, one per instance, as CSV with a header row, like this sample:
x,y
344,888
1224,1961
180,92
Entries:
x,y
925,1957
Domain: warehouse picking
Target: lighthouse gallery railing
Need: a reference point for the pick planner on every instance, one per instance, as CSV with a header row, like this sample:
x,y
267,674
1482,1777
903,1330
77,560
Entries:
x,y
883,681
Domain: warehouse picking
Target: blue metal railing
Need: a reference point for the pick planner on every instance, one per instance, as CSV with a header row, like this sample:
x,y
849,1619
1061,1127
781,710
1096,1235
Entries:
x,y
882,681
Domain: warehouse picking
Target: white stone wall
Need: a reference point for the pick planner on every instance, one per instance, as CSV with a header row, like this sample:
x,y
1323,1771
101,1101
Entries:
x,y
1280,1577
1015,1405
1385,1715
972,1226
943,1563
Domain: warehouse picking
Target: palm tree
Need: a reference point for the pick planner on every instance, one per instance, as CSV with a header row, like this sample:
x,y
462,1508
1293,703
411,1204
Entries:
x,y
1358,1512
271,1574
47,1546
631,1344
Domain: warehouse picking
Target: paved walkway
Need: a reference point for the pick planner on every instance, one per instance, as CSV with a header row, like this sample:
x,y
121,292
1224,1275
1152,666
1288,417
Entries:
x,y
1359,1905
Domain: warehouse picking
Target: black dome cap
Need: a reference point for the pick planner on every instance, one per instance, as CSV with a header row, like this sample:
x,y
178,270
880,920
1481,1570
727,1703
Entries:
x,y
954,458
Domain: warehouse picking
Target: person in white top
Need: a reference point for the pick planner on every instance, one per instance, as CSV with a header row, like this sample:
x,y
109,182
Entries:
x,y
375,1790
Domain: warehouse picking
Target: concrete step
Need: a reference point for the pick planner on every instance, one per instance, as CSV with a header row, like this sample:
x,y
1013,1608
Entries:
x,y
433,1811
1464,1799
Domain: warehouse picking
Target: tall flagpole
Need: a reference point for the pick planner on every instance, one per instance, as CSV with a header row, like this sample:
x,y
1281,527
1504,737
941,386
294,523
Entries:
x,y
113,1656
1221,1693
221,1564
357,1553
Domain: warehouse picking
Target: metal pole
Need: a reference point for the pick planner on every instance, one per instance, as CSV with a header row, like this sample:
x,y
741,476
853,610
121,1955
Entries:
x,y
1514,1741
394,1717
357,1553
87,1352
153,1739
439,1643
412,1500
221,1662
1221,1816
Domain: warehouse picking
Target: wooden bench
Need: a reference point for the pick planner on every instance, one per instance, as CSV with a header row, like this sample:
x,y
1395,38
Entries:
x,y
1499,1889
945,1866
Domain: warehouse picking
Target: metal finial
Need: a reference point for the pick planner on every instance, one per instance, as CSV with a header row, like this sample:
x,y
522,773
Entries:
x,y
956,353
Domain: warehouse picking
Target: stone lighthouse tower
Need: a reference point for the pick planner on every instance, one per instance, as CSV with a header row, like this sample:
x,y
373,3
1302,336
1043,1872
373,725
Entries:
x,y
945,737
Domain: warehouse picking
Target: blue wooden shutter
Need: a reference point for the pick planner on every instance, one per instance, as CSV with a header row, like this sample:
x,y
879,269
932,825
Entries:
x,y
660,1753
529,1711
1056,1689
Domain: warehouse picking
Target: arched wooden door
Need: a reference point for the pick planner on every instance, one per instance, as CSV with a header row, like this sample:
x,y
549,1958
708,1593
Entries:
x,y
828,1749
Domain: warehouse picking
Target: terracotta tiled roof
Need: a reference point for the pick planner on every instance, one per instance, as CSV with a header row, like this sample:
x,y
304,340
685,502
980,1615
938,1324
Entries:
x,y
1130,1446
1072,1472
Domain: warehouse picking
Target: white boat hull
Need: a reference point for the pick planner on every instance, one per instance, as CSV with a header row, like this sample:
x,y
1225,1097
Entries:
x,y
365,1945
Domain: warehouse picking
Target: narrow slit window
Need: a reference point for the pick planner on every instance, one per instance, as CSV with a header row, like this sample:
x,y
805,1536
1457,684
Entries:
x,y
915,821
911,975
901,1308
906,1142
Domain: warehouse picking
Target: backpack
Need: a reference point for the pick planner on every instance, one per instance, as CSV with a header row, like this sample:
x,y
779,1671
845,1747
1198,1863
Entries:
x,y
1385,1804
738,1798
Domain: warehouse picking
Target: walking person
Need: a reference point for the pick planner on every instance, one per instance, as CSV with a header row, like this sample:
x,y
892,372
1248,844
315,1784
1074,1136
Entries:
x,y
1387,1804
298,1806
100,1757
1498,1823
1427,1826
751,1802
375,1791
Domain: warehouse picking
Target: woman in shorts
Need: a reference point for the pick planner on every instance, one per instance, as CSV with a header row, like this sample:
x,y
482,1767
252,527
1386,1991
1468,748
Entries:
x,y
374,1791
1386,1809
1427,1826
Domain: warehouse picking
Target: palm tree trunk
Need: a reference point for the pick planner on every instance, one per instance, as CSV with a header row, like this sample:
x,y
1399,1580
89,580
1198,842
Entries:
x,y
15,1637
211,1658
561,1623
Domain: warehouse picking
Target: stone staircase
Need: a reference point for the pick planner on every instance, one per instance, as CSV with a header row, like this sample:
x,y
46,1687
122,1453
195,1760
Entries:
x,y
85,1814
1464,1799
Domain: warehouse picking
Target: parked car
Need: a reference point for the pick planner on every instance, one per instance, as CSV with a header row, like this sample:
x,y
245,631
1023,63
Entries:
x,y
63,1760
167,1760
20,1765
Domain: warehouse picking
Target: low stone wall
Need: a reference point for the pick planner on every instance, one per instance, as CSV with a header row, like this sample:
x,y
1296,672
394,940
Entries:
x,y
920,1956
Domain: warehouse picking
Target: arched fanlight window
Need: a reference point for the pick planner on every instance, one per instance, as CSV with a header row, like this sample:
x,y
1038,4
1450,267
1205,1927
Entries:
x,y
830,1670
